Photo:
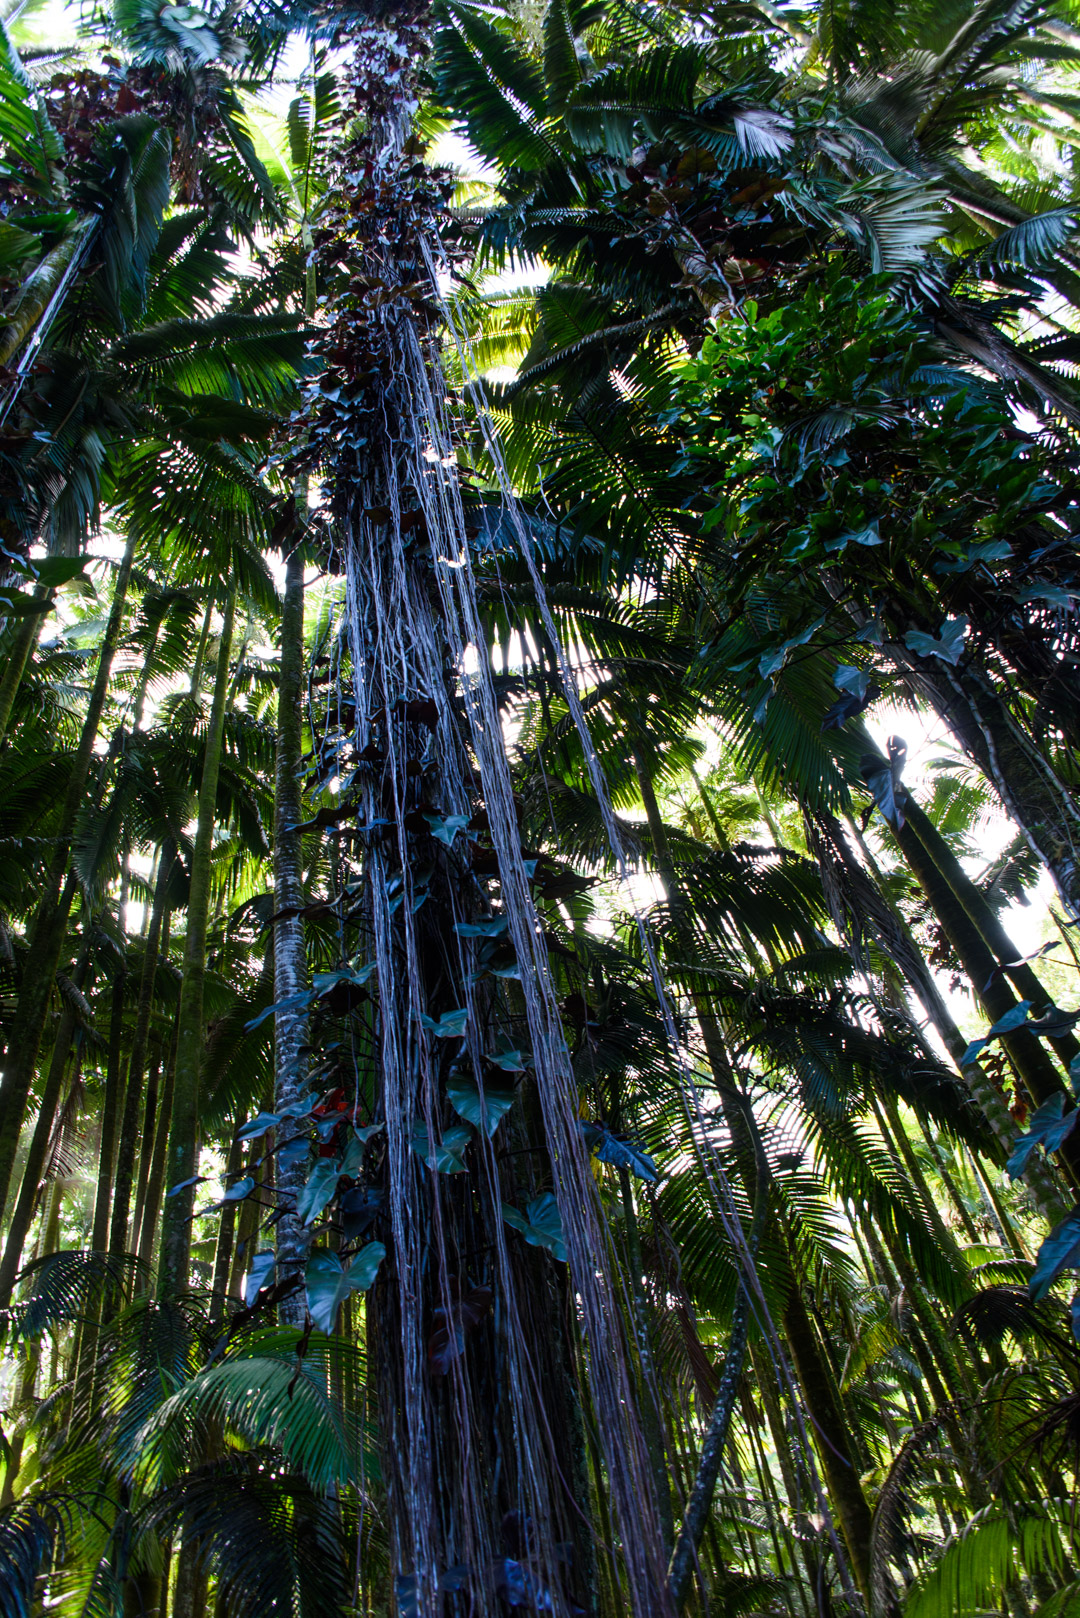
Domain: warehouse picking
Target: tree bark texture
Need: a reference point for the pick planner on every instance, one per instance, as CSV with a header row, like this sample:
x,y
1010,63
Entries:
x,y
290,954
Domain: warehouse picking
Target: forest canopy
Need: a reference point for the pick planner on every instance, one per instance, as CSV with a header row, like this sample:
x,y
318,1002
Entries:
x,y
539,809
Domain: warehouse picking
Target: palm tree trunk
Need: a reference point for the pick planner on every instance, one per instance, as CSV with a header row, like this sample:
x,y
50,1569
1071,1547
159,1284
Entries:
x,y
986,922
184,1126
226,1232
110,1116
832,1439
146,1146
125,1162
26,637
1038,1177
23,1213
155,1185
290,957
1031,1061
48,929
1035,797
649,1385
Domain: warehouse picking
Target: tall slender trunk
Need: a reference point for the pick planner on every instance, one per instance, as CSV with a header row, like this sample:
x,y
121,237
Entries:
x,y
110,1115
155,1185
290,957
833,1442
898,942
1031,1060
147,1134
125,1161
25,639
26,1202
184,1126
755,1167
223,1252
987,924
1044,807
650,1394
49,926
815,1378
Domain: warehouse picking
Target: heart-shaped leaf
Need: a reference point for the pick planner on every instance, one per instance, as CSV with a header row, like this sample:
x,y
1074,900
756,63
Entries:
x,y
451,1025
259,1272
358,1209
1060,1251
948,644
446,827
485,1109
482,929
1016,1017
294,1150
449,1326
328,1283
318,1191
1042,1122
182,1185
540,1224
259,1125
510,1061
610,1148
446,1155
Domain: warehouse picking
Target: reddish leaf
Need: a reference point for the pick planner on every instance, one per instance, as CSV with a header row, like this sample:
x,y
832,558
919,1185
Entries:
x,y
447,1339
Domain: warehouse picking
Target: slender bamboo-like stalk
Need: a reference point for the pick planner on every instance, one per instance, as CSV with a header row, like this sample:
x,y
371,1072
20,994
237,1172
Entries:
x,y
1031,1061
1037,1175
146,1145
226,1232
23,1212
650,1389
155,1185
987,923
125,1162
25,639
832,1438
110,1113
184,1125
48,929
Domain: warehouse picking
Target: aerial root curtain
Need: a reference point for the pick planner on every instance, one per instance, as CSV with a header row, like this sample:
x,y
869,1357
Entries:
x,y
479,1404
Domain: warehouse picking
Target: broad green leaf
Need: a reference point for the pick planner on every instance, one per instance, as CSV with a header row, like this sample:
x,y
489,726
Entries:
x,y
20,603
620,1153
848,678
328,1283
481,929
510,1061
446,1156
948,644
319,1190
451,1025
540,1224
1016,1017
487,1110
259,1272
1044,1119
446,827
259,1125
1060,1251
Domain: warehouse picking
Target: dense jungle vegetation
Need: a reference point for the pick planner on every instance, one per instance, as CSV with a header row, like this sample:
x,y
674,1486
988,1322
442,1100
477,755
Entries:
x,y
517,1093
